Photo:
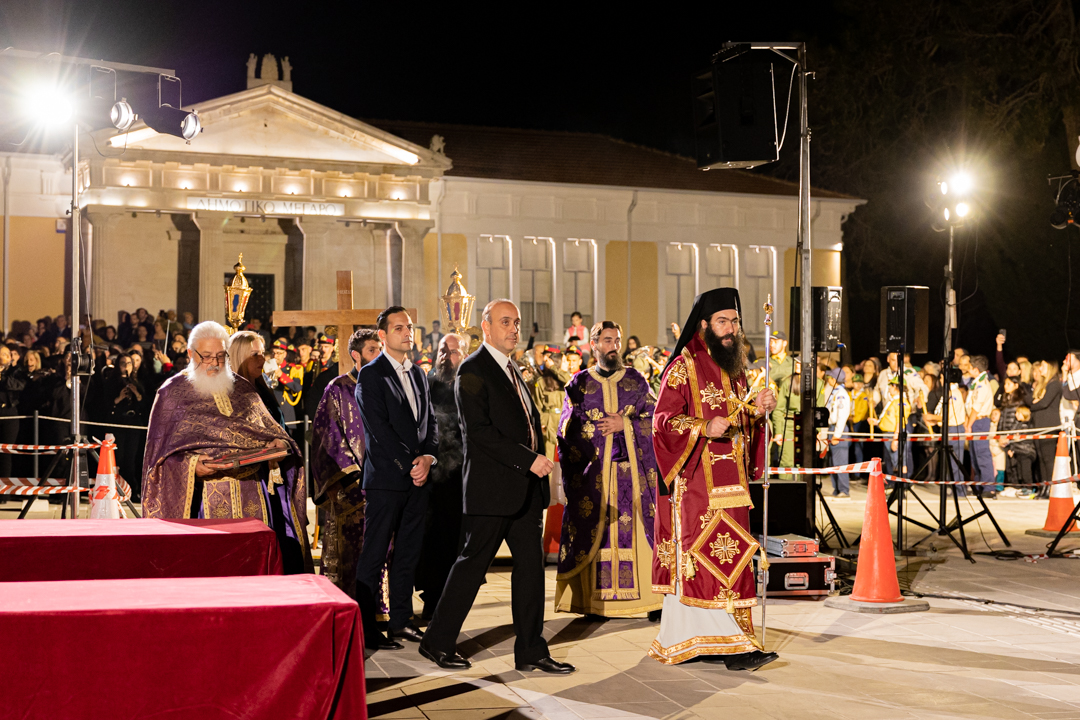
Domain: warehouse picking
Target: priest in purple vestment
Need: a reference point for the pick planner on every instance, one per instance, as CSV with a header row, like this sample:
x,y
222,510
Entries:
x,y
337,462
200,415
609,476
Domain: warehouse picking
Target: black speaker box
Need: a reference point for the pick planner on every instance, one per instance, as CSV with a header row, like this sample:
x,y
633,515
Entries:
x,y
905,311
735,120
787,507
825,304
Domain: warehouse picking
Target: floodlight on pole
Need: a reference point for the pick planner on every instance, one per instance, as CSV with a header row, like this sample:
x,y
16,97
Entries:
x,y
48,105
171,120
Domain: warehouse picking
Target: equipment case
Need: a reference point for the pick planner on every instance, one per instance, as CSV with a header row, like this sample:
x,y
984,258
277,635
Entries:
x,y
800,576
787,546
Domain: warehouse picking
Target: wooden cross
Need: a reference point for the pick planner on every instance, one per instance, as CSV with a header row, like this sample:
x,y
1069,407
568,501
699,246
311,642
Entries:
x,y
345,317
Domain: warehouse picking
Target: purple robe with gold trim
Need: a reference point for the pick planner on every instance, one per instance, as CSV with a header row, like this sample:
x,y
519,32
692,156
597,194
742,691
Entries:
x,y
185,424
605,554
337,459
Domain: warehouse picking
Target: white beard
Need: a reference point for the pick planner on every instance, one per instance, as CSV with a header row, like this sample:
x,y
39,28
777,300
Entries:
x,y
209,385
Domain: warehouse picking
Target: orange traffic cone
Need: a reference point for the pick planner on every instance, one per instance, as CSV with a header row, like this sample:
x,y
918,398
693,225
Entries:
x,y
1061,500
875,578
104,501
876,587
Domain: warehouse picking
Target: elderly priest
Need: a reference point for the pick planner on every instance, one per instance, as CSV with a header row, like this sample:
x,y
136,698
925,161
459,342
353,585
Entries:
x,y
200,416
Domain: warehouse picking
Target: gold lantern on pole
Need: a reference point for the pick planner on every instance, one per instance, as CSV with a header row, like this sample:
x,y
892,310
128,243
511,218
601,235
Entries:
x,y
237,294
456,308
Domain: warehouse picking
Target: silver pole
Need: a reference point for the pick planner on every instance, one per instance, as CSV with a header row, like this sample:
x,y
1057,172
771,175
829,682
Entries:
x,y
75,318
7,239
629,237
765,476
805,283
37,439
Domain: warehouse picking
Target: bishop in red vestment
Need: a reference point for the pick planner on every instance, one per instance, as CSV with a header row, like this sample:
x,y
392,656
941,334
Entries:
x,y
708,439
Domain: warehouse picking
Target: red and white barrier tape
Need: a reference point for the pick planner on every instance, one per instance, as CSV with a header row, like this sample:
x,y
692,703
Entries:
x,y
868,466
6,489
886,436
11,449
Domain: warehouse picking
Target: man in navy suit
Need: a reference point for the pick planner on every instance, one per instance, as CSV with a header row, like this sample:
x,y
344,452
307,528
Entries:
x,y
505,493
401,438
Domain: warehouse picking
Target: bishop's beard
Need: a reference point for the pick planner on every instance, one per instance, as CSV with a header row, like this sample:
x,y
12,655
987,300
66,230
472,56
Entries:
x,y
610,362
445,370
208,385
731,360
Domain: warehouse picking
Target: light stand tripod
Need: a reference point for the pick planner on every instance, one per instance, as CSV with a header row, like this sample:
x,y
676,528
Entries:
x,y
944,453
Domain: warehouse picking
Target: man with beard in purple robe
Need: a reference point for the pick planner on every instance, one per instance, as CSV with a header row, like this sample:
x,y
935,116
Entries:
x,y
337,461
204,413
609,478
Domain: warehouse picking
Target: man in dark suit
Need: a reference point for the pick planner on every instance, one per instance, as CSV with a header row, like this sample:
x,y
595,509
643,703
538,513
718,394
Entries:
x,y
401,438
505,493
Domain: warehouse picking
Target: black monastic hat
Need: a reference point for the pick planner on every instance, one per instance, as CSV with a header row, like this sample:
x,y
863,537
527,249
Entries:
x,y
705,304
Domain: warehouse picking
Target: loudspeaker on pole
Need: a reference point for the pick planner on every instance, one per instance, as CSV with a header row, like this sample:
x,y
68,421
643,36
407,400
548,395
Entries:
x,y
905,313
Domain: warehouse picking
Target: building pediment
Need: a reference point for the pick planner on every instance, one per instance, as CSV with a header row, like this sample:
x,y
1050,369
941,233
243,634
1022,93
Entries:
x,y
267,123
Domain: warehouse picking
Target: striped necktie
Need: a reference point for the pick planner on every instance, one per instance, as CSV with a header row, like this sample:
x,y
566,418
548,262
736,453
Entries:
x,y
524,405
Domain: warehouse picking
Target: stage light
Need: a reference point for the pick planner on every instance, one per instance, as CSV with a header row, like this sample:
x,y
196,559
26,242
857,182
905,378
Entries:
x,y
122,116
48,106
944,187
962,183
946,214
962,209
1067,199
173,121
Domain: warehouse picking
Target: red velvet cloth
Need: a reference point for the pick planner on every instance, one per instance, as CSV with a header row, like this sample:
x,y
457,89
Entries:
x,y
41,550
269,647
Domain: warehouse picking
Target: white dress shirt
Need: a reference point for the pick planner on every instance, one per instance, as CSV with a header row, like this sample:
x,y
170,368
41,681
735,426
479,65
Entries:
x,y
402,370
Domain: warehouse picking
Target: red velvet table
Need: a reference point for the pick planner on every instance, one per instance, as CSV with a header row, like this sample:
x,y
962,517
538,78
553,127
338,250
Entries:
x,y
271,647
39,550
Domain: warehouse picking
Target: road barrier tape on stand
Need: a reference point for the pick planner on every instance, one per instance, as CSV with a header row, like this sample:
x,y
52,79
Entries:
x,y
864,467
12,449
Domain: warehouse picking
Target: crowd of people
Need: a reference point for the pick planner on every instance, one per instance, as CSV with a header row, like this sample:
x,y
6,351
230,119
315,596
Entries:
x,y
435,448
864,415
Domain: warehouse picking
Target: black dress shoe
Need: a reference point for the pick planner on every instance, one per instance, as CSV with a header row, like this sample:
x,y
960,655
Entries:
x,y
447,661
749,661
408,633
381,642
548,665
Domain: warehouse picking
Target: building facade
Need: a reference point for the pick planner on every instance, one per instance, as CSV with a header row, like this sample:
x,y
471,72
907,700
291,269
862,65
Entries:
x,y
544,218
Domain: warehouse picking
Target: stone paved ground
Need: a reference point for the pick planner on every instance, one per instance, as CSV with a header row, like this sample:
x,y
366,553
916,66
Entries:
x,y
962,659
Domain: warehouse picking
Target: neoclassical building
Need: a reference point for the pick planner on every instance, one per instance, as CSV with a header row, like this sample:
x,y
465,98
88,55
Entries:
x,y
544,218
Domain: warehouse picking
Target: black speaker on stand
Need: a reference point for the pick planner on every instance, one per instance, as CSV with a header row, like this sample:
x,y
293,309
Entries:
x,y
735,112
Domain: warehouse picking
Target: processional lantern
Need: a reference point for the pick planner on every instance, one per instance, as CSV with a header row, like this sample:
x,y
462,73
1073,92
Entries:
x,y
457,304
237,294
456,308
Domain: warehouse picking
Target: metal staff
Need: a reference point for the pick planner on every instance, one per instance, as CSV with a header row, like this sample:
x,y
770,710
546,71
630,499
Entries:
x,y
765,476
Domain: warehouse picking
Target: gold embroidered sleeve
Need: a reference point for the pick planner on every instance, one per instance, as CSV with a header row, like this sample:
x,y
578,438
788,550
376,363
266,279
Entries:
x,y
682,423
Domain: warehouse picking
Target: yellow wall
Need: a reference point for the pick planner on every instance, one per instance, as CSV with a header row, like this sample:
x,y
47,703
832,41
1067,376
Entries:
x,y
455,252
824,270
36,274
645,276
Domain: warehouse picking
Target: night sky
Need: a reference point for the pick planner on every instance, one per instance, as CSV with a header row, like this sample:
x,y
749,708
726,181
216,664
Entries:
x,y
611,70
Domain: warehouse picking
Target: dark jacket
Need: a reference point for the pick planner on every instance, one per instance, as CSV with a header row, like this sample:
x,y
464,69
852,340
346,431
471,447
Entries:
x,y
393,437
495,430
1044,413
450,449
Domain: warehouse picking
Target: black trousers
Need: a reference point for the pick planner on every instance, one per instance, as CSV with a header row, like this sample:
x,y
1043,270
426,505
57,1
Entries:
x,y
390,515
442,540
524,534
